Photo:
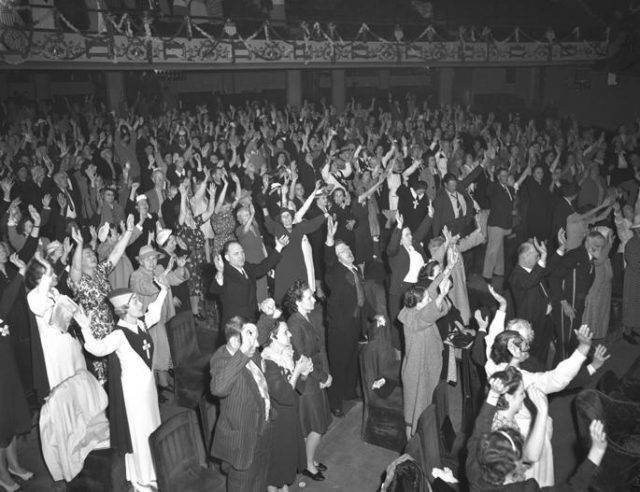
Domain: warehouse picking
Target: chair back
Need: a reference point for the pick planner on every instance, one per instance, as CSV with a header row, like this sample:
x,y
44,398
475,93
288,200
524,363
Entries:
x,y
620,467
177,450
183,342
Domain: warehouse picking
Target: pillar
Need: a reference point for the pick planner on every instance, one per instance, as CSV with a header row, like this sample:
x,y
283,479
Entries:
x,y
533,86
114,82
338,89
278,13
4,84
445,87
41,85
294,88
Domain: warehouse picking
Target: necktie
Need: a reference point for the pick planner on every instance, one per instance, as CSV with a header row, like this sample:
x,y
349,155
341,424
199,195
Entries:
x,y
359,288
457,205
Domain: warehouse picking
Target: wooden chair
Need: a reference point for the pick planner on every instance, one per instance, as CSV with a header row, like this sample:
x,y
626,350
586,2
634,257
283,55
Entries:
x,y
620,467
179,457
383,419
190,364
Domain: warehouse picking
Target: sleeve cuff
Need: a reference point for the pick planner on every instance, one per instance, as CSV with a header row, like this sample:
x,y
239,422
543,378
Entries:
x,y
591,370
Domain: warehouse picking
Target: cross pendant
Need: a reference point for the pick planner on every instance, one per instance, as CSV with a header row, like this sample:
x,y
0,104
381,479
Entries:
x,y
415,203
146,346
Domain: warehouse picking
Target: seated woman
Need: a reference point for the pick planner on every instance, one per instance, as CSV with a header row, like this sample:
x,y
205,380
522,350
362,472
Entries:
x,y
496,458
62,352
133,411
284,378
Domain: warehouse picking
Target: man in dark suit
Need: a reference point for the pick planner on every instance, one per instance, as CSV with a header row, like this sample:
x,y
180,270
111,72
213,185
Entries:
x,y
499,224
569,283
413,204
235,283
452,208
243,434
531,295
347,310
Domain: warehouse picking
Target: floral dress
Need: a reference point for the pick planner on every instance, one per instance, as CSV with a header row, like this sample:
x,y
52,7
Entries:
x,y
224,225
194,239
91,294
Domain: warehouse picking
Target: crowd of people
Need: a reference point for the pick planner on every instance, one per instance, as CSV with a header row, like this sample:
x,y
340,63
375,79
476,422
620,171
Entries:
x,y
324,231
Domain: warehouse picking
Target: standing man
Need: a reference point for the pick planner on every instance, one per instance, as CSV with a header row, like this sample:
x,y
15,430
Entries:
x,y
242,437
569,283
236,282
346,311
499,224
531,295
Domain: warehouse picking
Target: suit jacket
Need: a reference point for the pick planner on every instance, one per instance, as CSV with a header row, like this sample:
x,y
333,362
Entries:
x,y
561,278
412,209
399,260
501,208
443,215
530,295
242,409
342,301
237,293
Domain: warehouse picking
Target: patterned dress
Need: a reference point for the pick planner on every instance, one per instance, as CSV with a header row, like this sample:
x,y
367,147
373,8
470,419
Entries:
x,y
91,294
194,239
224,225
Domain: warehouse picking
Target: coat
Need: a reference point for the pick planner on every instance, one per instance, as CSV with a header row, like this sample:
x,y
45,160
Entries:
x,y
242,410
237,293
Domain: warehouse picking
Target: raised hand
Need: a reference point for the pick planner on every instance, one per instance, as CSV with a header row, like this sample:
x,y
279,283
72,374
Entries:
x,y
19,264
46,201
399,219
35,216
483,323
332,227
219,264
496,386
77,236
598,435
501,300
600,356
584,336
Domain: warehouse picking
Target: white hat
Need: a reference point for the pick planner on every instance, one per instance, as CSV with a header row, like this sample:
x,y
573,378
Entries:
x,y
139,198
120,297
163,236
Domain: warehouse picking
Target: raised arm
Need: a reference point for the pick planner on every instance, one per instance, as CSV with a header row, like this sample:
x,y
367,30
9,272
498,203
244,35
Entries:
x,y
121,245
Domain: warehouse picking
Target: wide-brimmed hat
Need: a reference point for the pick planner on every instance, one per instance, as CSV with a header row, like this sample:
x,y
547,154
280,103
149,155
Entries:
x,y
147,251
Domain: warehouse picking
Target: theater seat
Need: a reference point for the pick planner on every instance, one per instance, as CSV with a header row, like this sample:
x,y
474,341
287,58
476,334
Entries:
x,y
383,418
620,468
190,363
179,457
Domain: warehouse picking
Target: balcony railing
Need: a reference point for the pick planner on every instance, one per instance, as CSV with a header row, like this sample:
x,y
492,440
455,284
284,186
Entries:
x,y
140,40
